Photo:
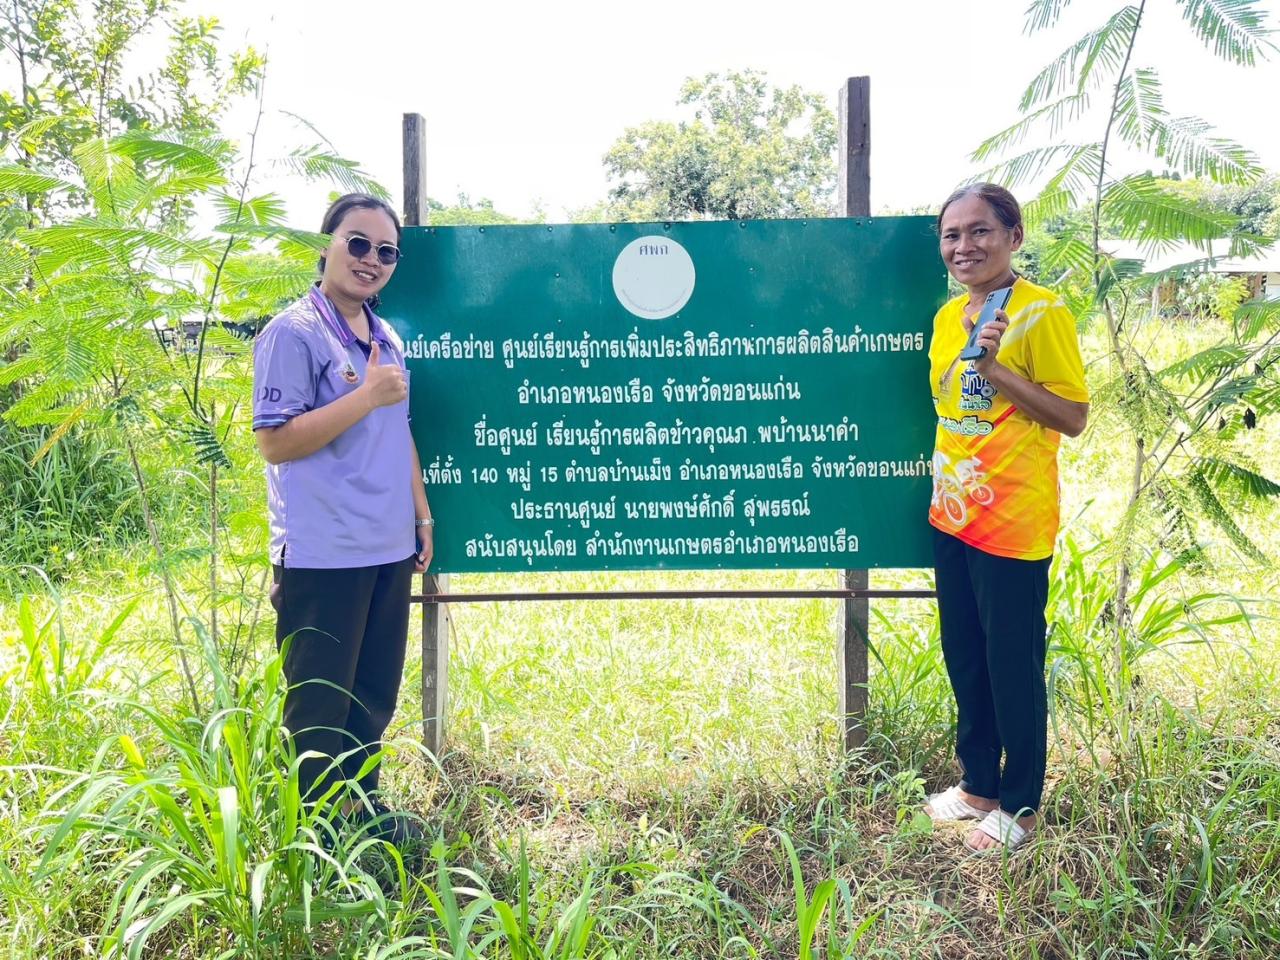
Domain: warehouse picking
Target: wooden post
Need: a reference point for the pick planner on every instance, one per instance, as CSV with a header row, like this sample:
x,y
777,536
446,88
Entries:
x,y
855,618
435,663
435,616
415,170
855,147
855,201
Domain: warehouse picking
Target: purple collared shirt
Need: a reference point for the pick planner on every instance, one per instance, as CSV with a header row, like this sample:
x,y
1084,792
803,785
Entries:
x,y
349,504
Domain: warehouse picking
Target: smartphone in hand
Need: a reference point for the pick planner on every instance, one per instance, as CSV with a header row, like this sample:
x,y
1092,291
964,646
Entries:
x,y
996,300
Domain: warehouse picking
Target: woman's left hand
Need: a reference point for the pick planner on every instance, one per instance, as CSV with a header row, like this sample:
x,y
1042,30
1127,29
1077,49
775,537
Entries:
x,y
426,537
989,337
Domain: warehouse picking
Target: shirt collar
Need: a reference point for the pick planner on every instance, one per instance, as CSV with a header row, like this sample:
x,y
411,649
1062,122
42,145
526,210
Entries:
x,y
333,317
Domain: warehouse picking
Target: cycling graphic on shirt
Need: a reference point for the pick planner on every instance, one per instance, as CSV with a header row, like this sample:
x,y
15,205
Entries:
x,y
954,484
976,392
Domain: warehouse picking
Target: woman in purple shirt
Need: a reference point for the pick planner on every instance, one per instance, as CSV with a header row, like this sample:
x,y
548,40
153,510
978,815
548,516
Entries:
x,y
350,523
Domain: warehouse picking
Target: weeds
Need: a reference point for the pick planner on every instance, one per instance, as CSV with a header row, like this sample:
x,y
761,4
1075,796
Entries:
x,y
144,831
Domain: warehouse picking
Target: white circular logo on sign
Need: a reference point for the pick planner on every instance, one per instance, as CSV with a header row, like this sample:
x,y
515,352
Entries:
x,y
653,277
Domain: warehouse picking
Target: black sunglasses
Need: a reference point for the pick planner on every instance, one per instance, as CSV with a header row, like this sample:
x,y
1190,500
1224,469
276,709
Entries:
x,y
357,246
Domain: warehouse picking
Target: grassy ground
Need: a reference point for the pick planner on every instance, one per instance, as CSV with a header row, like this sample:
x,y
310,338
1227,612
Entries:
x,y
655,779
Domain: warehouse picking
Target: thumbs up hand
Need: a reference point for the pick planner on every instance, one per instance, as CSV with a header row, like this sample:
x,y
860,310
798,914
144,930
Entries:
x,y
383,385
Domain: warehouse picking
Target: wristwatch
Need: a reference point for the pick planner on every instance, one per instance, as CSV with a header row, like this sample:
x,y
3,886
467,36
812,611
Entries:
x,y
429,522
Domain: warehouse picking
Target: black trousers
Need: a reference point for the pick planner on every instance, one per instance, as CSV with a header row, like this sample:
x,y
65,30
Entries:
x,y
991,614
344,663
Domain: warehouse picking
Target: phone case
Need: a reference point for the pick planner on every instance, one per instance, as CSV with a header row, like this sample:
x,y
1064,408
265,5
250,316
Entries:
x,y
996,300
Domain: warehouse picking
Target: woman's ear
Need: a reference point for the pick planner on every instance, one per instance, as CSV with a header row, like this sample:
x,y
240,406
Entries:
x,y
1018,237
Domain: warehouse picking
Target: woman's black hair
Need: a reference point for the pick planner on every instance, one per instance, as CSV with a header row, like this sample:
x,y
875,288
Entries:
x,y
1004,203
354,201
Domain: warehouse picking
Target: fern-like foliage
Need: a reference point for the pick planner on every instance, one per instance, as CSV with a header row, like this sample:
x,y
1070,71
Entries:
x,y
1212,509
1256,318
319,163
1185,144
265,211
124,305
1075,161
1043,14
1139,107
1141,207
1084,65
1237,478
1178,533
16,179
204,443
1235,30
1055,116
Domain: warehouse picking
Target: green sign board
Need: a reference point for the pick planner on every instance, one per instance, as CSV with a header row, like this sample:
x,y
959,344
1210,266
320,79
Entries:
x,y
742,394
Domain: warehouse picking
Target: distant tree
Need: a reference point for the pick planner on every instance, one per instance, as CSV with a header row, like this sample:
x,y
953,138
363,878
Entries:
x,y
1254,205
750,150
66,61
598,212
466,212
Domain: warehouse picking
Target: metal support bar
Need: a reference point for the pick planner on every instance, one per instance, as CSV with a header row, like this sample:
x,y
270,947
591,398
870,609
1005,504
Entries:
x,y
849,594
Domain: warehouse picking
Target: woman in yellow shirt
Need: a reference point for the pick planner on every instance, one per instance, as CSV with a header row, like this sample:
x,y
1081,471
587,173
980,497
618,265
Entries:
x,y
995,510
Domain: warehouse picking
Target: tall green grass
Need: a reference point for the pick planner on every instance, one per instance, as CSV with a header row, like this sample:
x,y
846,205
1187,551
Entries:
x,y
135,829
58,505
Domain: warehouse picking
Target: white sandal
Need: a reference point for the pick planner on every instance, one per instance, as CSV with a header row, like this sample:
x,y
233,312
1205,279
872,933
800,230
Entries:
x,y
1004,829
950,805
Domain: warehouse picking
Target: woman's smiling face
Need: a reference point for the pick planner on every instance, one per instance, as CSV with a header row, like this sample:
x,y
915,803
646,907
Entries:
x,y
976,247
358,278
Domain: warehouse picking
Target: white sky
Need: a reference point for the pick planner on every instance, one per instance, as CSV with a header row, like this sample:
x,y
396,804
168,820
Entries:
x,y
523,99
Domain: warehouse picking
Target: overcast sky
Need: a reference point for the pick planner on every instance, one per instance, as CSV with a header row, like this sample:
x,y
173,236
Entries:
x,y
523,99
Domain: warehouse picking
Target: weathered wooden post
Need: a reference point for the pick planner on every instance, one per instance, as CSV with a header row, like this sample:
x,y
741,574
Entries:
x,y
435,616
415,170
435,663
855,201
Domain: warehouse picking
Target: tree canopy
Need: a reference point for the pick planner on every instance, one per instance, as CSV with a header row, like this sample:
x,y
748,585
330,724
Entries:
x,y
749,150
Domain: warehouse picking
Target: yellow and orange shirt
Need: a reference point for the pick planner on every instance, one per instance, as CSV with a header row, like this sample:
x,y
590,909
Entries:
x,y
995,470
